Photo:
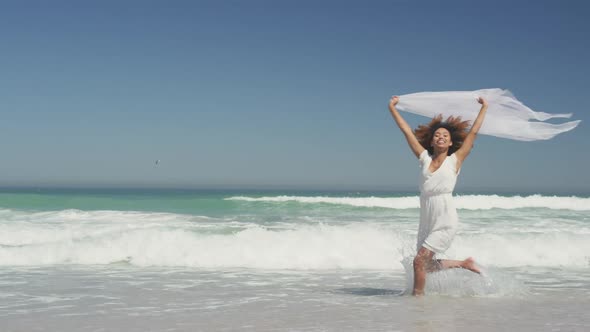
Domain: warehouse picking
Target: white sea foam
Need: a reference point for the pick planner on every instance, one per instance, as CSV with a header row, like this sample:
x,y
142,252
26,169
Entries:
x,y
167,239
467,202
318,247
554,249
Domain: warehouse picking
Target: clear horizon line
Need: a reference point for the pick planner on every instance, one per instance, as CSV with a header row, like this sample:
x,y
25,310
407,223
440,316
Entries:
x,y
291,188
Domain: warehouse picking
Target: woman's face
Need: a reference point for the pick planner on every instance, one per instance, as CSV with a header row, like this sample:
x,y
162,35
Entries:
x,y
441,139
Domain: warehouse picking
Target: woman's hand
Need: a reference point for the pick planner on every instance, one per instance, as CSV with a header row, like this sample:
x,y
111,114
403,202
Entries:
x,y
393,101
482,101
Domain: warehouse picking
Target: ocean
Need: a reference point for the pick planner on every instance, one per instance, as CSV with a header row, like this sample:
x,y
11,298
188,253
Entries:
x,y
229,260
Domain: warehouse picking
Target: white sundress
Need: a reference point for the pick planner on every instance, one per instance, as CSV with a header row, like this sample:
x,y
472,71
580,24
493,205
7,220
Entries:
x,y
438,215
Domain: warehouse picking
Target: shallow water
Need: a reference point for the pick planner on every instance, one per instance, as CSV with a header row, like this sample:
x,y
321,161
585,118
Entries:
x,y
127,298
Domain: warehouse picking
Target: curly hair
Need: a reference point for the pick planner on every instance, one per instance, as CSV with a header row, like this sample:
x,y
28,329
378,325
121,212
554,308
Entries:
x,y
456,127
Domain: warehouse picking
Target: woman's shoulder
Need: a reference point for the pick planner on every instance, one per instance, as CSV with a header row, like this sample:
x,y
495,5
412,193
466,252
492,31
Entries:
x,y
424,155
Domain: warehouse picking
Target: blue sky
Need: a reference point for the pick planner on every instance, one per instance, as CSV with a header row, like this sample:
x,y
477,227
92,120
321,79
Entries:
x,y
278,94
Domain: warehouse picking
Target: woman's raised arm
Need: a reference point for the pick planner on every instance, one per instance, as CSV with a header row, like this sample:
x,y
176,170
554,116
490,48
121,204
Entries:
x,y
415,146
463,152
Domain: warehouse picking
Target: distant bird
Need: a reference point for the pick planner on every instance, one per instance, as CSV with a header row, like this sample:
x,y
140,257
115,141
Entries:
x,y
157,163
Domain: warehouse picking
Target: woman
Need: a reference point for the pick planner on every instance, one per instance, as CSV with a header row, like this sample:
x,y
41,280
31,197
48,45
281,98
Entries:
x,y
441,148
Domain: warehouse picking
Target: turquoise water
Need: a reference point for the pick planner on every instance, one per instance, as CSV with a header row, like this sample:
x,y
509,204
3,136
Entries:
x,y
155,200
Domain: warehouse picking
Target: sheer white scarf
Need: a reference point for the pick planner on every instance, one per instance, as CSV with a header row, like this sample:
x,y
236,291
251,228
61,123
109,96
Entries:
x,y
506,116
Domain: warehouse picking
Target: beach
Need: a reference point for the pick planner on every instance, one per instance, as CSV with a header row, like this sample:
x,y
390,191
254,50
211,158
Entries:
x,y
145,260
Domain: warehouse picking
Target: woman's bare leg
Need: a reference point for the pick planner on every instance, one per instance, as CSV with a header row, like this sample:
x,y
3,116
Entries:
x,y
441,264
422,263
